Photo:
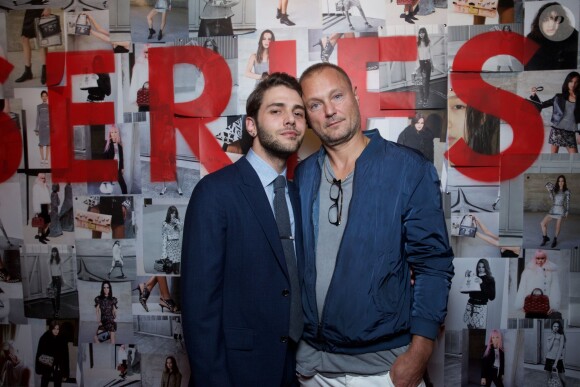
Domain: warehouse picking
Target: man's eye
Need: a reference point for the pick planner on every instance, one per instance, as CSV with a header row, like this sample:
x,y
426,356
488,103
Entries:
x,y
314,106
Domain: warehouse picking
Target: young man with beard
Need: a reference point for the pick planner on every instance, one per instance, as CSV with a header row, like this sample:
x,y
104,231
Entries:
x,y
241,301
371,212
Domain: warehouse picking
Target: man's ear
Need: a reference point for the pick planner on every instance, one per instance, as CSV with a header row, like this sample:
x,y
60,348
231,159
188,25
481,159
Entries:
x,y
251,126
355,94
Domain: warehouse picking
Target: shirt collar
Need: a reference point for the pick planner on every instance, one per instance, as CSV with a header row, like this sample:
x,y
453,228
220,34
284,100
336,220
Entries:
x,y
265,172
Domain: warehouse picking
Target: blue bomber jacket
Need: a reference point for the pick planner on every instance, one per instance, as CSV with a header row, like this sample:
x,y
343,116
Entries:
x,y
395,223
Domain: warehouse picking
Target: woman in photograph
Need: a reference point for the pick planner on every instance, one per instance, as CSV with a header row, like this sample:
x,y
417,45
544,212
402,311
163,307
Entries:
x,y
162,7
476,309
565,114
540,273
42,129
171,238
41,206
560,197
52,360
479,130
55,229
212,45
165,299
14,372
493,361
556,351
140,77
114,151
56,279
66,215
106,310
258,65
557,38
117,260
171,376
418,136
348,4
425,65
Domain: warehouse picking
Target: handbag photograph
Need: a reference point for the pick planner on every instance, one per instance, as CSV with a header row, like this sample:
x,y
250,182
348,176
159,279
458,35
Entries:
x,y
102,334
554,380
143,96
469,284
46,360
82,25
88,81
463,226
484,8
163,266
537,303
51,291
48,31
37,221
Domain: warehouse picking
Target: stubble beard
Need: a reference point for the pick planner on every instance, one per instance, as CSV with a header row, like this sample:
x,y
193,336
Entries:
x,y
274,147
329,140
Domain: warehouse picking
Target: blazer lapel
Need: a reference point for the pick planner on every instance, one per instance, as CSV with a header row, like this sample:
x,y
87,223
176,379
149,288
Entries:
x,y
254,193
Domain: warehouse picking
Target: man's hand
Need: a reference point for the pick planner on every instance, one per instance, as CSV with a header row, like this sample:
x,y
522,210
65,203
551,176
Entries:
x,y
408,369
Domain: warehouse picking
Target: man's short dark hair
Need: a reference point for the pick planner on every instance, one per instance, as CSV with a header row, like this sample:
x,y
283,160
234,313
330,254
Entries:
x,y
318,67
275,79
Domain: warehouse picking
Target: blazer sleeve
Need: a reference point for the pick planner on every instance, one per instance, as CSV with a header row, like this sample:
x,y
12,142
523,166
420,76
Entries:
x,y
203,260
428,252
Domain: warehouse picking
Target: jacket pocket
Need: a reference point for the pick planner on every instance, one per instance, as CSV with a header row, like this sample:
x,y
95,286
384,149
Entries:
x,y
387,290
239,338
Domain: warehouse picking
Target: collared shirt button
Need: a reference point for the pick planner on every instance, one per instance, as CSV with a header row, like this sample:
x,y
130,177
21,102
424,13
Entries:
x,y
285,293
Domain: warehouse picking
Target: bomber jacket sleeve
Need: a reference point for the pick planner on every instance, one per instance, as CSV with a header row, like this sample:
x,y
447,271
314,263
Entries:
x,y
428,252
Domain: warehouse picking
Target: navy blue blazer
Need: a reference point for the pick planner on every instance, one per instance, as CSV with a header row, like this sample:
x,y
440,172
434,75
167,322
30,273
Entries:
x,y
235,287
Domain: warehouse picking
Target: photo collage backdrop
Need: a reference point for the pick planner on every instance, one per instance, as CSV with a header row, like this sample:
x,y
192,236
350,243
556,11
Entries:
x,y
113,110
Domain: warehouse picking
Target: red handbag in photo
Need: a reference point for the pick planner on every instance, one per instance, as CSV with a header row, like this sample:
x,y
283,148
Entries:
x,y
404,2
37,221
537,303
143,96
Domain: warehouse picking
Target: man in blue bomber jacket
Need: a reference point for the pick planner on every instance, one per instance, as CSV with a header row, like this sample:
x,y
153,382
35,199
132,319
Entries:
x,y
372,215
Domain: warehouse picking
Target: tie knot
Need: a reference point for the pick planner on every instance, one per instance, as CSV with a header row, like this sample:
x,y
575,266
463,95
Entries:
x,y
279,182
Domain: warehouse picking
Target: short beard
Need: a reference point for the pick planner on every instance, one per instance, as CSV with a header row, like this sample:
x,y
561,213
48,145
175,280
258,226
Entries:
x,y
273,146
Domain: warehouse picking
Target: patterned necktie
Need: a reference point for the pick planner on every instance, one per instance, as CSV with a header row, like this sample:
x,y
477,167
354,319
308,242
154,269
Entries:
x,y
284,229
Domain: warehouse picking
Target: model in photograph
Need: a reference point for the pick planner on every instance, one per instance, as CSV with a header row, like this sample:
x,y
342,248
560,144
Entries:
x,y
56,279
14,370
162,7
555,352
560,197
114,151
41,206
171,376
52,360
565,114
540,273
42,129
493,361
171,238
557,38
479,130
106,310
28,33
475,315
212,45
66,214
410,10
419,137
117,260
258,65
348,4
425,65
165,300
55,229
328,43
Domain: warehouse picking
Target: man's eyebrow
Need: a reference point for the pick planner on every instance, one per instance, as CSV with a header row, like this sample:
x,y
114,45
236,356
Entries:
x,y
282,104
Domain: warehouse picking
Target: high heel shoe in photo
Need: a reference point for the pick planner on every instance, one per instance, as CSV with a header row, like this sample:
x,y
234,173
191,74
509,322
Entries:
x,y
169,304
143,295
151,33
